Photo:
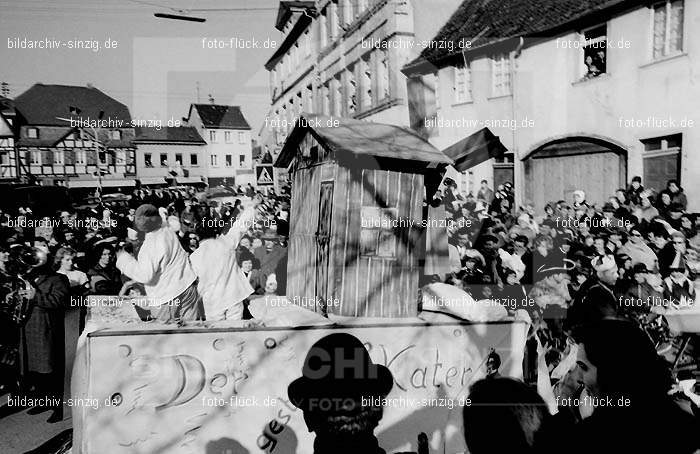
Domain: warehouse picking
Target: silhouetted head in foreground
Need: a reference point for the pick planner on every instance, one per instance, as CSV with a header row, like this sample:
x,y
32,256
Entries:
x,y
340,393
503,417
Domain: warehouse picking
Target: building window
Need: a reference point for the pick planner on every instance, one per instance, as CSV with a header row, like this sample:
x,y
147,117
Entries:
x,y
661,160
227,136
4,158
212,136
241,160
337,96
500,75
115,135
377,237
147,159
193,159
35,157
214,160
241,135
309,99
383,76
229,160
326,99
352,91
462,84
178,159
332,15
668,28
79,158
436,85
323,27
58,158
32,133
366,82
164,160
594,51
307,42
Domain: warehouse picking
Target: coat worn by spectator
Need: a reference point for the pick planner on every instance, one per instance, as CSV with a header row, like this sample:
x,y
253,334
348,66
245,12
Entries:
x,y
44,331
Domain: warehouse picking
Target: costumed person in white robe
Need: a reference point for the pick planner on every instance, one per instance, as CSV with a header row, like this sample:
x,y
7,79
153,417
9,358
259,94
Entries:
x,y
164,268
222,284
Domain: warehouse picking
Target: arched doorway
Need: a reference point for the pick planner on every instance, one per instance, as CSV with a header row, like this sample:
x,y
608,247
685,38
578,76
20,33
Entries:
x,y
557,168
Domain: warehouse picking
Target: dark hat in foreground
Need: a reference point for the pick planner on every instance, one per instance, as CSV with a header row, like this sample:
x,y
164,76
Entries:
x,y
147,218
338,367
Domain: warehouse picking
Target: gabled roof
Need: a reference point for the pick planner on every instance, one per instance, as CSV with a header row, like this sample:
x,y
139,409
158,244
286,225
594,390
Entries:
x,y
488,22
41,104
220,116
286,8
356,137
181,134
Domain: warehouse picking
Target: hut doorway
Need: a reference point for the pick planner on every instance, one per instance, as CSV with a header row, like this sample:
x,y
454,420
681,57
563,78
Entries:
x,y
323,237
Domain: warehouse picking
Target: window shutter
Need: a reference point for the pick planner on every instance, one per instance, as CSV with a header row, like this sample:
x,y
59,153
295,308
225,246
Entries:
x,y
47,158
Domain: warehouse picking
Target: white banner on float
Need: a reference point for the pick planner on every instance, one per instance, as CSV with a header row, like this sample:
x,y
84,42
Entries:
x,y
225,390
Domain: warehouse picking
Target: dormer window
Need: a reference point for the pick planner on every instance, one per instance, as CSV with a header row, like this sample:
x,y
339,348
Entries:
x,y
115,135
74,110
32,133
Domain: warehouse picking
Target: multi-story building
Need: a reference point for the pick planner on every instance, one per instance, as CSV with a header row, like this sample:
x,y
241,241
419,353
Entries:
x,y
341,58
68,135
8,155
585,95
173,155
229,156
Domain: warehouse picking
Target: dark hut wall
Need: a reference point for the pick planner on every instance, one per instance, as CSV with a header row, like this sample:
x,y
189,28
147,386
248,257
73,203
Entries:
x,y
383,282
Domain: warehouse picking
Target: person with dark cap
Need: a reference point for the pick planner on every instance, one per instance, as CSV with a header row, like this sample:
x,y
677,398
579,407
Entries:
x,y
164,268
595,299
640,296
341,392
634,190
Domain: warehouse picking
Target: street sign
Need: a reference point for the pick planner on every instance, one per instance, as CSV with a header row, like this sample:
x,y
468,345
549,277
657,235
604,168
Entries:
x,y
264,175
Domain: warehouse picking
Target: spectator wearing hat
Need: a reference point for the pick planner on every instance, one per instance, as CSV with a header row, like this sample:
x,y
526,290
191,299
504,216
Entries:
x,y
635,190
596,299
638,250
44,333
673,215
164,268
640,295
340,393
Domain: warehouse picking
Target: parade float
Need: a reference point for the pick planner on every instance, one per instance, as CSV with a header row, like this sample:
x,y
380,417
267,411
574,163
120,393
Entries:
x,y
361,239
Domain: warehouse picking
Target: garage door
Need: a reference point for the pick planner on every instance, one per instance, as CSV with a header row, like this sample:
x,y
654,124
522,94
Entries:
x,y
554,178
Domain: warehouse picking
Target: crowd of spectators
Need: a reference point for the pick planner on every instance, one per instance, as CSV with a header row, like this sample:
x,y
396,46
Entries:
x,y
73,255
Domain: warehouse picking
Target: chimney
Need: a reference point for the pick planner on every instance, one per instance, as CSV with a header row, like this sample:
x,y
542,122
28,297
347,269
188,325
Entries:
x,y
89,85
211,99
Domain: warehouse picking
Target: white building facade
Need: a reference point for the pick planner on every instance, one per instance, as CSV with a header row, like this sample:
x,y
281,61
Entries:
x,y
597,101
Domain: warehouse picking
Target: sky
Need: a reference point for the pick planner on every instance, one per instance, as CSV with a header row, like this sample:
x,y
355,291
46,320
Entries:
x,y
157,64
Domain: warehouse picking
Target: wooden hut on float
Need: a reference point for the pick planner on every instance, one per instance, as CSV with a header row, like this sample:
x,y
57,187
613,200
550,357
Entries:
x,y
357,234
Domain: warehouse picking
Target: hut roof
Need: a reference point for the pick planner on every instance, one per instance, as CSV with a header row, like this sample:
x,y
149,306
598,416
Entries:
x,y
357,137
